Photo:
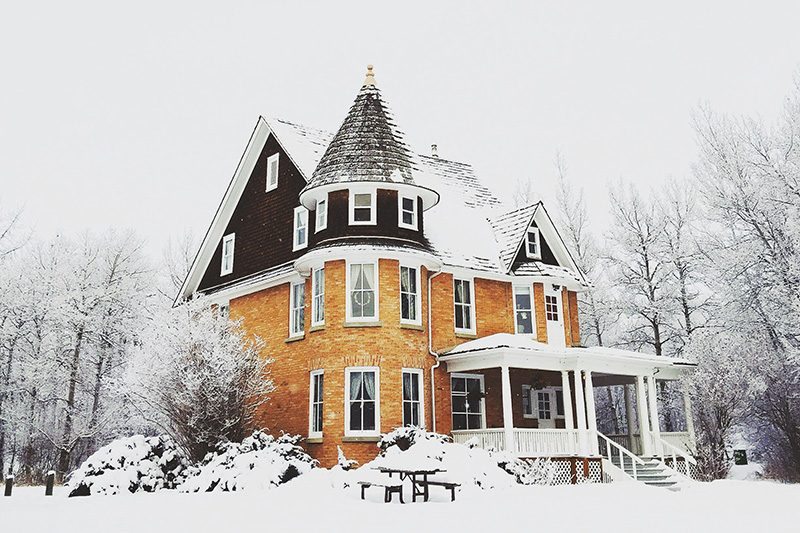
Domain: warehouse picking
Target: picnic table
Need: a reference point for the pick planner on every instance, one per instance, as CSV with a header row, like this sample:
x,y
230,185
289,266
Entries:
x,y
420,484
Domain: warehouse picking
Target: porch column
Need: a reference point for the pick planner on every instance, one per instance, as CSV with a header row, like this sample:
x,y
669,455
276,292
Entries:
x,y
687,413
644,424
629,419
580,411
651,392
569,420
508,413
591,414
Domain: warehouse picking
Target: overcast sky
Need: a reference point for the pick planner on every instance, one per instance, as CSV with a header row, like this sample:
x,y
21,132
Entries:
x,y
136,115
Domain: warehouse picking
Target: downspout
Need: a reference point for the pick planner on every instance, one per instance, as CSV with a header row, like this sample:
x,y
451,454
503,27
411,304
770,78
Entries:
x,y
434,354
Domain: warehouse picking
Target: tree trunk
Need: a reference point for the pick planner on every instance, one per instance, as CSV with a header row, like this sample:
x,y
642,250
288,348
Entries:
x,y
66,447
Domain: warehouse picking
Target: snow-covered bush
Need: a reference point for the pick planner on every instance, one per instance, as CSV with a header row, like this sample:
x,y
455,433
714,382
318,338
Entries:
x,y
131,464
259,462
468,466
539,471
343,462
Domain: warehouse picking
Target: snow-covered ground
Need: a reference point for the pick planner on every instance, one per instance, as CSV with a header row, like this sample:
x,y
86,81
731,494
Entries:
x,y
311,503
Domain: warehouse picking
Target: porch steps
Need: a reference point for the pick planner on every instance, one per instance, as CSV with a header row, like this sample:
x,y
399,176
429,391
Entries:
x,y
653,473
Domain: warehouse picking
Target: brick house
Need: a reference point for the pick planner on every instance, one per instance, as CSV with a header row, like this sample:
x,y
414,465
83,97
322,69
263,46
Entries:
x,y
394,288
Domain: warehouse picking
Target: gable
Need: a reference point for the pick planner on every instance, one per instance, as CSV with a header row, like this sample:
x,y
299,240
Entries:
x,y
262,221
548,257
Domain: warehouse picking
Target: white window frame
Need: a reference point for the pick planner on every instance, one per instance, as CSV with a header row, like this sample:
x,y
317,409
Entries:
x,y
317,300
312,433
532,310
528,391
226,267
349,306
483,400
417,299
538,238
321,213
373,208
362,433
296,330
420,402
472,329
414,219
547,312
300,216
272,180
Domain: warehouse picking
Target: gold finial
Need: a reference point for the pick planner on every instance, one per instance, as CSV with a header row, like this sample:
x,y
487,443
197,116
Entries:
x,y
370,76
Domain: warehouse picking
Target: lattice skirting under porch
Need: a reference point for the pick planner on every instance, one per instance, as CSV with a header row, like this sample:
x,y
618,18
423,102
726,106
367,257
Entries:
x,y
573,470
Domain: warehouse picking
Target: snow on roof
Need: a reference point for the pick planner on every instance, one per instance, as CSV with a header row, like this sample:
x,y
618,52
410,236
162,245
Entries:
x,y
264,276
509,228
527,343
367,147
537,268
304,145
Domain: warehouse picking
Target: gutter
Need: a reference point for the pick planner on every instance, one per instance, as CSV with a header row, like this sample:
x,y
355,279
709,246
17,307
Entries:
x,y
434,354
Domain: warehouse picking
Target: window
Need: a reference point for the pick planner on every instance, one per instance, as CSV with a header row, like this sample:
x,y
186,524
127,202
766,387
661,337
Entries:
x,y
466,396
297,309
300,240
362,415
412,397
318,297
224,310
408,213
272,172
532,249
362,208
409,295
523,310
551,307
539,403
462,298
227,254
363,300
315,408
322,215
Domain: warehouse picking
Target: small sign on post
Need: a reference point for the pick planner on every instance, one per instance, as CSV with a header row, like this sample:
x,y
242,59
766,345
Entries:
x,y
51,478
9,485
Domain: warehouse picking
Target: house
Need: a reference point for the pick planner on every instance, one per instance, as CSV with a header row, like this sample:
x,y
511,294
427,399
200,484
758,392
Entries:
x,y
394,288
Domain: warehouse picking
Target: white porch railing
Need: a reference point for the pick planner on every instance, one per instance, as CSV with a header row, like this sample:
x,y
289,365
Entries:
x,y
487,438
676,458
679,439
545,442
620,456
527,442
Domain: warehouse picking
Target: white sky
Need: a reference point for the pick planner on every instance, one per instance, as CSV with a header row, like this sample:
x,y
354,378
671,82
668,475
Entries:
x,y
136,115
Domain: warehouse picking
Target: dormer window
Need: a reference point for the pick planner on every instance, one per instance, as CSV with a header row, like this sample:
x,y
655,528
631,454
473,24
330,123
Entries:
x,y
322,215
532,247
272,172
362,208
227,254
300,239
408,213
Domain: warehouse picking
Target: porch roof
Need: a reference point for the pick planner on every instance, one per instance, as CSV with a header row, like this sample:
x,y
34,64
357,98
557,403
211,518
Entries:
x,y
522,351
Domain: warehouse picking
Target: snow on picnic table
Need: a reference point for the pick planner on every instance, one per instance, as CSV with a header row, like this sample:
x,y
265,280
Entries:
x,y
311,502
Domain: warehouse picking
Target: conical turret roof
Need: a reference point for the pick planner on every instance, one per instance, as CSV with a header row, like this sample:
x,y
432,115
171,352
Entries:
x,y
367,146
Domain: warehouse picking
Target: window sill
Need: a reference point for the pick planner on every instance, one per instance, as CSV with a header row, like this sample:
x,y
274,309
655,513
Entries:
x,y
314,440
312,329
374,324
294,339
417,327
466,335
376,438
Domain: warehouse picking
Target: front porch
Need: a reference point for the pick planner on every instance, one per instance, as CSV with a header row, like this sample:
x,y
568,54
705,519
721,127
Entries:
x,y
539,401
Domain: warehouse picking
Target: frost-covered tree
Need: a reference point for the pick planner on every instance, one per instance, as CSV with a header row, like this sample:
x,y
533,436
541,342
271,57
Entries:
x,y
721,392
200,377
641,273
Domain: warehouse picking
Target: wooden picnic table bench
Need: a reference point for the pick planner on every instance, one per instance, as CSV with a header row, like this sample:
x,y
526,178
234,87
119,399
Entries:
x,y
388,490
420,483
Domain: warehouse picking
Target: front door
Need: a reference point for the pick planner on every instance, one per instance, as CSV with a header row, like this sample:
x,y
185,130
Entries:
x,y
555,315
545,408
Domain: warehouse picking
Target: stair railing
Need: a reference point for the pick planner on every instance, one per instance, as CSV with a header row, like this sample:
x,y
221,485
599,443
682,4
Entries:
x,y
673,452
612,448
